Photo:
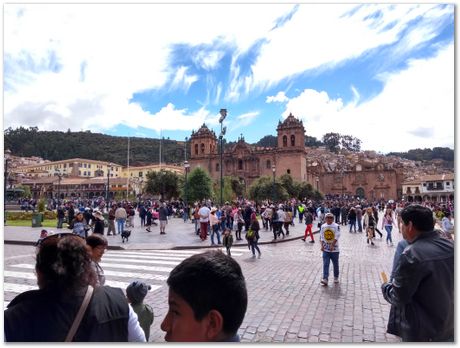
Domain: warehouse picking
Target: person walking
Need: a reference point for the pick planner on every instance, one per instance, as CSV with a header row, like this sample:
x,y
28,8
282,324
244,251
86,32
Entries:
x,y
120,217
308,229
287,219
376,218
204,220
60,216
239,223
280,221
369,225
163,217
422,292
252,236
359,218
214,225
227,240
447,225
329,238
111,229
142,214
301,210
352,219
387,224
98,221
148,219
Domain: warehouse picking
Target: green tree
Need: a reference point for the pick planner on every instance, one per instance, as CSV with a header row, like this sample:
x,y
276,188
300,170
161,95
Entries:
x,y
26,189
332,141
312,141
291,186
165,183
350,143
199,185
262,189
268,141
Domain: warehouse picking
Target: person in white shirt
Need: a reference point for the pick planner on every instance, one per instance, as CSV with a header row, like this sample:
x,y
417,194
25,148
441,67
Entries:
x,y
329,240
447,225
204,219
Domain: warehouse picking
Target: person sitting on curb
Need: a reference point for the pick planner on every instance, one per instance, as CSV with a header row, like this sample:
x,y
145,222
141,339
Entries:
x,y
207,299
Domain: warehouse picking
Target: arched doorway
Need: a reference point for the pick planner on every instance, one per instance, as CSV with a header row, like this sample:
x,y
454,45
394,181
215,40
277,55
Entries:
x,y
360,192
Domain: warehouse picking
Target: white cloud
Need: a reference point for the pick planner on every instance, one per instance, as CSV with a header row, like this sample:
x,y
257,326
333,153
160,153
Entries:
x,y
243,120
415,109
125,49
280,97
208,60
309,41
182,80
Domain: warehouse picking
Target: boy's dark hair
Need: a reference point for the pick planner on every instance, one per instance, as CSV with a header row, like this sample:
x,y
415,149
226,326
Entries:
x,y
95,240
212,280
421,217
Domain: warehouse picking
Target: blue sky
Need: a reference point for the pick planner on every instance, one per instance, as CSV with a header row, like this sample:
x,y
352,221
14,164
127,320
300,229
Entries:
x,y
381,72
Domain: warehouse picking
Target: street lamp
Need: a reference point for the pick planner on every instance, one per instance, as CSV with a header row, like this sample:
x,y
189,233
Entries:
x,y
4,189
273,186
107,192
223,114
59,175
186,167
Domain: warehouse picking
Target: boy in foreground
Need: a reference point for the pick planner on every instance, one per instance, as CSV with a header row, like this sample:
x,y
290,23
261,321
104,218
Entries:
x,y
207,299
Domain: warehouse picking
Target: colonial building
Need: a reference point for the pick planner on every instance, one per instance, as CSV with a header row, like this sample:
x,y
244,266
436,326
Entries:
x,y
434,188
84,178
75,167
373,180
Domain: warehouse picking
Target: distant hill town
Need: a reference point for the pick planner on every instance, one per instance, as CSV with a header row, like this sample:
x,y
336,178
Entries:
x,y
30,146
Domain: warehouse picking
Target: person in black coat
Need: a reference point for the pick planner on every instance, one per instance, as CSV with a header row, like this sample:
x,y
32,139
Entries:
x,y
98,222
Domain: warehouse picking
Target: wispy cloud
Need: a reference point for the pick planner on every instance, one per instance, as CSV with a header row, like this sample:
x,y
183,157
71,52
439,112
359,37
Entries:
x,y
279,98
243,120
404,111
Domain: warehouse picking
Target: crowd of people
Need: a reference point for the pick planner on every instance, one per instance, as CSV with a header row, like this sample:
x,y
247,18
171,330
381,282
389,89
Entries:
x,y
420,288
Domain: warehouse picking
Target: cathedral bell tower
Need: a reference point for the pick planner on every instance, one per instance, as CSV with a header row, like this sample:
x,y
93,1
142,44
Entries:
x,y
291,134
203,143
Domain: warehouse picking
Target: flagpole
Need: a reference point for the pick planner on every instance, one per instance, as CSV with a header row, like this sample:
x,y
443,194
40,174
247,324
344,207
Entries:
x,y
127,181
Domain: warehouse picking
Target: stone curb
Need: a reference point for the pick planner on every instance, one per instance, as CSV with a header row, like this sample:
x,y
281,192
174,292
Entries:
x,y
182,247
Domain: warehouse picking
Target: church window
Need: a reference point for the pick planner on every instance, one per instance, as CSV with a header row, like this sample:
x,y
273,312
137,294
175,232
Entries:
x,y
240,164
292,140
268,164
196,149
289,171
217,167
202,148
284,141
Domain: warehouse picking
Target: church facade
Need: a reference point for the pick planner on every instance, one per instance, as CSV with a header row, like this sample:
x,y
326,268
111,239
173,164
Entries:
x,y
290,156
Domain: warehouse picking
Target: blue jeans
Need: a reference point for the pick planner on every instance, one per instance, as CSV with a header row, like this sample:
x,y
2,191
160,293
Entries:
x,y
215,230
254,247
360,226
353,224
120,225
389,228
327,257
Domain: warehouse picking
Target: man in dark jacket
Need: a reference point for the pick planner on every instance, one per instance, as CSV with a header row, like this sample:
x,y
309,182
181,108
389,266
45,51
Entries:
x,y
422,291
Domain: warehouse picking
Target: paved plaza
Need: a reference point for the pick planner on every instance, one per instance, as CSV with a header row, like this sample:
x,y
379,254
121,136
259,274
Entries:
x,y
286,302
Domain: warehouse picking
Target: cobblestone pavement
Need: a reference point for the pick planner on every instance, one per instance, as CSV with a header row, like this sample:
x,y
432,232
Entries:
x,y
286,301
